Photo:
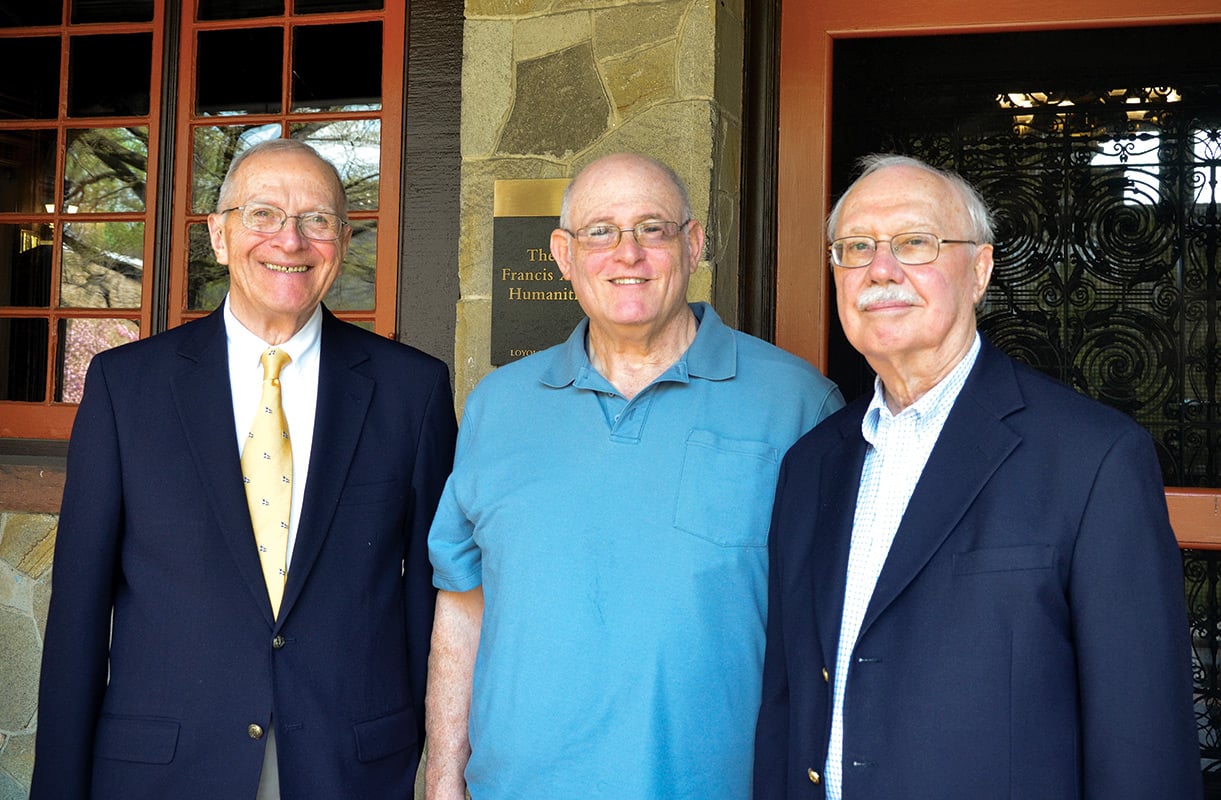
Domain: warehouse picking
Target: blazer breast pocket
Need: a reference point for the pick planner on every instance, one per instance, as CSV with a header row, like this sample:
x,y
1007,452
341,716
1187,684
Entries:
x,y
363,494
1005,559
145,740
726,489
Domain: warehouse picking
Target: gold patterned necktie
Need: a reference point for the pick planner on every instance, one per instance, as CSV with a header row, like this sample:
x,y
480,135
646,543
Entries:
x,y
267,471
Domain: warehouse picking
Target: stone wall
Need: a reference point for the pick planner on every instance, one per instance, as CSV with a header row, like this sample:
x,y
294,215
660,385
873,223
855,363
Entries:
x,y
26,544
550,85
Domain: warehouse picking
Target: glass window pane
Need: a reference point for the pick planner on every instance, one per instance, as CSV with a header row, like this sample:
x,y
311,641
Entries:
x,y
322,82
238,72
23,14
103,265
79,341
109,75
23,359
105,169
215,146
25,265
239,9
207,281
27,170
112,11
328,6
354,147
353,290
29,78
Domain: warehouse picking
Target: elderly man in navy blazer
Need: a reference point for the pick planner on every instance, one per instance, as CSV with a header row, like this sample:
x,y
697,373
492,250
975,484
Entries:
x,y
974,591
183,661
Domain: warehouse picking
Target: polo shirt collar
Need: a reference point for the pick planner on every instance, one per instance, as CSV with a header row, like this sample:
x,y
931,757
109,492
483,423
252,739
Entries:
x,y
713,355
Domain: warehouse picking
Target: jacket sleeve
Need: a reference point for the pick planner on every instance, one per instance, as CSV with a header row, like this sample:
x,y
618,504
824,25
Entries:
x,y
434,459
771,733
76,647
1132,637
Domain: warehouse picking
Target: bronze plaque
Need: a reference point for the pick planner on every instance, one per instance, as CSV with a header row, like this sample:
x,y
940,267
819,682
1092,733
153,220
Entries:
x,y
533,307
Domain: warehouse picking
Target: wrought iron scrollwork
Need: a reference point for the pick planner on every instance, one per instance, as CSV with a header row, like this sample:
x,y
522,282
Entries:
x,y
1202,571
1107,270
1108,252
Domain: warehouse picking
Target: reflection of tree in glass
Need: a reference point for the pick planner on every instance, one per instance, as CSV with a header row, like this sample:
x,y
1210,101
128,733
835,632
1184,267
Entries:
x,y
353,290
215,147
105,169
354,147
102,264
82,340
207,281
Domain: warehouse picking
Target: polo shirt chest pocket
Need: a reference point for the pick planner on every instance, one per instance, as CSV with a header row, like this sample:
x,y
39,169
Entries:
x,y
726,489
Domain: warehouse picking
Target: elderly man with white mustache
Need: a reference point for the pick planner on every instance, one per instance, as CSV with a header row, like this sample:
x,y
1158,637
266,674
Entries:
x,y
974,591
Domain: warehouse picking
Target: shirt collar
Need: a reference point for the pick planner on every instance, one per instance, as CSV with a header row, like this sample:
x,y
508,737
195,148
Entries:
x,y
932,407
712,355
247,348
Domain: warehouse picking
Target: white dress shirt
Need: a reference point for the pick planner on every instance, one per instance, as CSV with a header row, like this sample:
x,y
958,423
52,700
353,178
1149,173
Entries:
x,y
899,447
299,395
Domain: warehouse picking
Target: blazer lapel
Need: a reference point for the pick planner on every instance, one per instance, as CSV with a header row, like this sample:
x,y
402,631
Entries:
x,y
204,403
973,444
344,395
840,477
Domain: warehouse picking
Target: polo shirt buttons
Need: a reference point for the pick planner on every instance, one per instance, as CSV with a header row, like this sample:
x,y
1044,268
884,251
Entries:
x,y
254,731
278,642
815,778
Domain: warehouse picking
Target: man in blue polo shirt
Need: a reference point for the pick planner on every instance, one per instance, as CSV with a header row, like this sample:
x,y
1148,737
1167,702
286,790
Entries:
x,y
601,547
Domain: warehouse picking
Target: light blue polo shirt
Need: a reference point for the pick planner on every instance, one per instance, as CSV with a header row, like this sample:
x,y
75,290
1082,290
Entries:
x,y
621,546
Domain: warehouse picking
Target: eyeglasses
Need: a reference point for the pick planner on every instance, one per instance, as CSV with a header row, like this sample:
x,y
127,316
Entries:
x,y
912,249
650,233
321,226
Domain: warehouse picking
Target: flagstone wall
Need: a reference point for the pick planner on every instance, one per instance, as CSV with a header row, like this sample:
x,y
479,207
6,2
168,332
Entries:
x,y
550,85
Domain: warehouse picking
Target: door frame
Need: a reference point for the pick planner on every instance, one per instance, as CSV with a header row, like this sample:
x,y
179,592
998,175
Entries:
x,y
807,35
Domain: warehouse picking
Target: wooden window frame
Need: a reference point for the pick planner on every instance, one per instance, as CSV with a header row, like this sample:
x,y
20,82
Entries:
x,y
171,98
48,419
392,17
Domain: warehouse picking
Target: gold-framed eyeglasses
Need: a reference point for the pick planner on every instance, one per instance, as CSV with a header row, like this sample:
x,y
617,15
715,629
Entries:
x,y
649,233
913,249
321,226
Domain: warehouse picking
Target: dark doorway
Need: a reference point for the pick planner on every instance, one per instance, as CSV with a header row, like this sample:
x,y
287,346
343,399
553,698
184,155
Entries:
x,y
1100,155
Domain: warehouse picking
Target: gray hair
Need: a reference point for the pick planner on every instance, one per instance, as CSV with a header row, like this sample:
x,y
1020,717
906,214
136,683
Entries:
x,y
978,216
665,169
225,198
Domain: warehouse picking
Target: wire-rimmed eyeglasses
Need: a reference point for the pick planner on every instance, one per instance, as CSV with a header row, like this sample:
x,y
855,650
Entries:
x,y
648,233
912,248
321,226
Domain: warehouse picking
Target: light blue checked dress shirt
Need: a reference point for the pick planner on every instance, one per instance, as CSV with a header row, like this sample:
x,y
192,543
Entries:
x,y
899,447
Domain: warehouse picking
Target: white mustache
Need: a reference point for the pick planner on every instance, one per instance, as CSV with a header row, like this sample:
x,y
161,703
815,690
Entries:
x,y
885,294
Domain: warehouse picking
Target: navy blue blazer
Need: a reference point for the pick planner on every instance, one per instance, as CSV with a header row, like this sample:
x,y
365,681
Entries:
x,y
1028,634
154,525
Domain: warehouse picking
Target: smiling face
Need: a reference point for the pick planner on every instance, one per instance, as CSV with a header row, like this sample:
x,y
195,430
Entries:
x,y
276,280
916,322
628,291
